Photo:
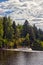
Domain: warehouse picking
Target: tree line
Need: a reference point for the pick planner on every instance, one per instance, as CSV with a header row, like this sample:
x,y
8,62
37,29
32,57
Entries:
x,y
17,36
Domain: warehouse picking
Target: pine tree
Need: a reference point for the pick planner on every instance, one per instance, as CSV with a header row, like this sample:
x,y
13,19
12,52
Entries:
x,y
25,29
7,28
15,29
36,32
4,26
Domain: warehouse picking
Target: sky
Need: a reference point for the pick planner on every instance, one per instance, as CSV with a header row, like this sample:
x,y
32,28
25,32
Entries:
x,y
20,10
3,0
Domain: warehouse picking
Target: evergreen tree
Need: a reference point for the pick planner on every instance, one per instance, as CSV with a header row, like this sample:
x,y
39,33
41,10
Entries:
x,y
1,28
1,32
31,36
4,26
10,29
15,29
40,34
7,28
36,32
25,29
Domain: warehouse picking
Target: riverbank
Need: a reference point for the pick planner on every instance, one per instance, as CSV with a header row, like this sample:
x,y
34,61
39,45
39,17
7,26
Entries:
x,y
18,49
21,50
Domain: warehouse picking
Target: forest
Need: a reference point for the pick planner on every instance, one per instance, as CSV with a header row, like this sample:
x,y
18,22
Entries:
x,y
19,36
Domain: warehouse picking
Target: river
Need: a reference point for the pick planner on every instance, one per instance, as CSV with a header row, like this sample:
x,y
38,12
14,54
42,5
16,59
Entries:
x,y
21,58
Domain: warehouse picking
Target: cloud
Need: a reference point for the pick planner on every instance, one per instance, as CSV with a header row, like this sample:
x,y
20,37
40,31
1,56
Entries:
x,y
20,10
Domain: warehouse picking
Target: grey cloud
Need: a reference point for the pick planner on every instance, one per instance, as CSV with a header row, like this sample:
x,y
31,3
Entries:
x,y
23,9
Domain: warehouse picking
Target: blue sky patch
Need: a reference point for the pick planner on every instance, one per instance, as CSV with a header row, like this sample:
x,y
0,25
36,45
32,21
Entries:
x,y
3,0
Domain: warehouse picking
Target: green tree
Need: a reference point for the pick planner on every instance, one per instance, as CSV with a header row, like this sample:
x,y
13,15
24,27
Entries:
x,y
40,34
1,28
31,36
7,28
4,26
15,29
27,41
36,32
37,45
1,32
25,29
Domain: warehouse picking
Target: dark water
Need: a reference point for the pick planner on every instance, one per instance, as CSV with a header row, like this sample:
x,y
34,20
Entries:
x,y
20,58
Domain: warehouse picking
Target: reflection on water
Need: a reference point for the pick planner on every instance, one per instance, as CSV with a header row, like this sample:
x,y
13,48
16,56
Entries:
x,y
20,58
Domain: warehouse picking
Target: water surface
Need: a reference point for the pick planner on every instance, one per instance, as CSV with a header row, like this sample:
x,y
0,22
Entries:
x,y
21,58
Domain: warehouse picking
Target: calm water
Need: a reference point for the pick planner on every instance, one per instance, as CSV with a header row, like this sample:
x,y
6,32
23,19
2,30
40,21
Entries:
x,y
20,58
